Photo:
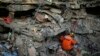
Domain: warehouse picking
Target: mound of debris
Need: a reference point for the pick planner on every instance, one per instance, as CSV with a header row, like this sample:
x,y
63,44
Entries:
x,y
33,28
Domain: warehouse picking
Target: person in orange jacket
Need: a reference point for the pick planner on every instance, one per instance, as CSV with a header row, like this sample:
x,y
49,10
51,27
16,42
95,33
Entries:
x,y
67,42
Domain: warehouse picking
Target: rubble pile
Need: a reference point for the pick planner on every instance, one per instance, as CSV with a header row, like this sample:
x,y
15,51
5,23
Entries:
x,y
34,26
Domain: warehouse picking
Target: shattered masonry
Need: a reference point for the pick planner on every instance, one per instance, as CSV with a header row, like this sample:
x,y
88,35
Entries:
x,y
46,19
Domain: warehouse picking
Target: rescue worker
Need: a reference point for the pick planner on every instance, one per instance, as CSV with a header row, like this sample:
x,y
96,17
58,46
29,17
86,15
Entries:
x,y
68,43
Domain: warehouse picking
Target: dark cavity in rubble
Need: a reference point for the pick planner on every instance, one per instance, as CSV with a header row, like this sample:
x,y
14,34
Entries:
x,y
28,13
4,4
4,12
4,29
93,10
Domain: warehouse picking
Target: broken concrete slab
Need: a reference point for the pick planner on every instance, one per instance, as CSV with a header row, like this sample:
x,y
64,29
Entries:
x,y
55,10
19,7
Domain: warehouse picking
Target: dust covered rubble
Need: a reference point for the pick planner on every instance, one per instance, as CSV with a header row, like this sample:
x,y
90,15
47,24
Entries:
x,y
49,23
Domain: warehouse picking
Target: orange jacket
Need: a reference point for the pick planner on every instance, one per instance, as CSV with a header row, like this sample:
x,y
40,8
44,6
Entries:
x,y
67,43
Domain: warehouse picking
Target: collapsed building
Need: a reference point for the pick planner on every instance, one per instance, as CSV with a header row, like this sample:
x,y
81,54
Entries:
x,y
33,26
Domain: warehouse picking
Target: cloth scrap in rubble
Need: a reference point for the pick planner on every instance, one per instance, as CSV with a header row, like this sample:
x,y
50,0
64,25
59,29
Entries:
x,y
7,20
